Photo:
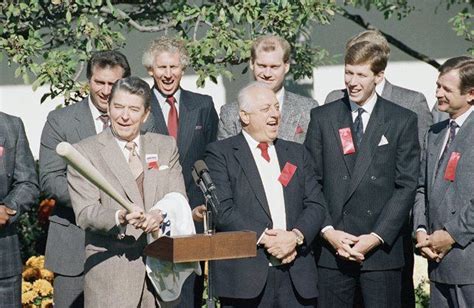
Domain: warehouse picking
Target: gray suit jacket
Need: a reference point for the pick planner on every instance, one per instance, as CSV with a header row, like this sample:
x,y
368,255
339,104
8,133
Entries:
x,y
441,203
18,189
411,100
115,269
294,118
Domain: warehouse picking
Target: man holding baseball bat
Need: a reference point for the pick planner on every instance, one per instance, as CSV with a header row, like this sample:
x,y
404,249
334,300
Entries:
x,y
143,169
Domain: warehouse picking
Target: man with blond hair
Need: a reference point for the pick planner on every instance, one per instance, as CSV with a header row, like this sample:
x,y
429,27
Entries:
x,y
187,116
270,62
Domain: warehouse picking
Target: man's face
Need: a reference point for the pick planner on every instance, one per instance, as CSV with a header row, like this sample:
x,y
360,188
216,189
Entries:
x,y
101,83
360,82
263,118
167,72
270,68
449,96
127,113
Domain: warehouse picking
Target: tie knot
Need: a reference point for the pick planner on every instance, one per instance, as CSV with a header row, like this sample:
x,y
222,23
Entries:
x,y
453,124
171,100
104,118
131,145
360,111
263,146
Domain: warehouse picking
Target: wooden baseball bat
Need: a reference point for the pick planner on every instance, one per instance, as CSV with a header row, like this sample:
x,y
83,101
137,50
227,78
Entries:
x,y
86,169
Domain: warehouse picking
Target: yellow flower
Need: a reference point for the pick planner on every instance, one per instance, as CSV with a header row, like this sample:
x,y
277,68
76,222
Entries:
x,y
31,274
26,286
48,275
43,287
28,297
47,303
37,262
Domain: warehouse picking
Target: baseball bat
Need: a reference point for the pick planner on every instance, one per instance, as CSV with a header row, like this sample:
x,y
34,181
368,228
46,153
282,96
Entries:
x,y
86,169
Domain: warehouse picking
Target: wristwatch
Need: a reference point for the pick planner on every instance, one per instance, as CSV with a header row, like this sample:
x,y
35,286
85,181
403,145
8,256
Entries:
x,y
299,237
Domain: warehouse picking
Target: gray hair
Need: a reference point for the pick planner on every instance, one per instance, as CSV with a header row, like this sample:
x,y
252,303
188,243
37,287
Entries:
x,y
244,98
135,86
165,44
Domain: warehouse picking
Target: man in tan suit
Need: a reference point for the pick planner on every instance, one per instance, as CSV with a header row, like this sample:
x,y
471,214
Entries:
x,y
142,168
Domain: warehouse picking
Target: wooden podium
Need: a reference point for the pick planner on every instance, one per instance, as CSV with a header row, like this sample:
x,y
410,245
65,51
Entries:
x,y
204,247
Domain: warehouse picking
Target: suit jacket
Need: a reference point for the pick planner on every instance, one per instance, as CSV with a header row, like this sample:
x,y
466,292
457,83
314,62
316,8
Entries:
x,y
441,203
197,127
18,188
115,269
244,206
294,118
373,189
411,100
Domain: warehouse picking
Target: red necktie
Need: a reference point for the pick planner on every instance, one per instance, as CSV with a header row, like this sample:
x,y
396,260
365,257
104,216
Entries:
x,y
172,118
263,146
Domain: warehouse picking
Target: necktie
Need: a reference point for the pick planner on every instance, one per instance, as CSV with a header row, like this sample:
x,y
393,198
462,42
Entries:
x,y
104,118
172,118
263,146
133,160
359,126
452,133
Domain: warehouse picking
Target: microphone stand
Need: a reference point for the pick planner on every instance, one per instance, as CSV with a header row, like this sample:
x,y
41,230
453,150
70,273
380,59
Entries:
x,y
209,229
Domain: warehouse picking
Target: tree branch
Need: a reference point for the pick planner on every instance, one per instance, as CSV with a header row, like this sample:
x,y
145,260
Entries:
x,y
392,40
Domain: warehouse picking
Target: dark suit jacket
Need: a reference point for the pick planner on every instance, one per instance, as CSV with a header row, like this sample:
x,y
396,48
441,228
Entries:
x,y
409,99
18,188
197,128
373,189
443,204
244,207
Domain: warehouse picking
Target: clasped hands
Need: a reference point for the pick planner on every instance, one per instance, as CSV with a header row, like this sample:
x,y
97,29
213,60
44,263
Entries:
x,y
434,246
5,214
351,247
148,222
281,244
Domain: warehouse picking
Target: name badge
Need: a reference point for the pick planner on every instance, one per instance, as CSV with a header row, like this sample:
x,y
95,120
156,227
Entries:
x,y
152,161
450,173
287,174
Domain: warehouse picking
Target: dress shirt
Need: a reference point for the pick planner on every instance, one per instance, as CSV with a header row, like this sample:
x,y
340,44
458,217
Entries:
x,y
98,124
269,173
368,109
280,95
165,106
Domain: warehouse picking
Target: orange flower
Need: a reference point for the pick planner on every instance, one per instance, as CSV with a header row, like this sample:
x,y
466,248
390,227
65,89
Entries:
x,y
31,274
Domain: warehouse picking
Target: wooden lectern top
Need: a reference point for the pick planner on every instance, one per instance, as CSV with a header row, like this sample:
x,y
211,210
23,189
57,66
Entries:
x,y
202,247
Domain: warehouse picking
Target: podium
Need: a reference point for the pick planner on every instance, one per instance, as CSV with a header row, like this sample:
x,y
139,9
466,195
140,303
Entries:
x,y
204,247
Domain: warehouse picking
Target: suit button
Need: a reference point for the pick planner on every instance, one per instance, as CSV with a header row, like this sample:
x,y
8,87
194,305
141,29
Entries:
x,y
9,175
373,178
344,213
344,177
369,212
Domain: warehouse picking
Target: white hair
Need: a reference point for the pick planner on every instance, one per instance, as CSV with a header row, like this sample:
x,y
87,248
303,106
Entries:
x,y
244,98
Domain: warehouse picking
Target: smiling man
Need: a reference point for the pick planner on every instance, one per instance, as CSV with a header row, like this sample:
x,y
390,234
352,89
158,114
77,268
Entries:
x,y
65,243
266,185
187,116
115,273
445,198
366,153
269,63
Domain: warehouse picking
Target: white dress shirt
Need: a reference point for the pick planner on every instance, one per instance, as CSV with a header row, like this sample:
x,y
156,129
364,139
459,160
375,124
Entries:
x,y
368,109
165,107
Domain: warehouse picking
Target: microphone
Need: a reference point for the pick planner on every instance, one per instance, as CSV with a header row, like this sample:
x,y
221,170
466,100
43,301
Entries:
x,y
202,178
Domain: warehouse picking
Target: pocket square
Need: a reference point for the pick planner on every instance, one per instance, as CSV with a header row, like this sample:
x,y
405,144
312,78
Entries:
x,y
299,129
163,167
383,141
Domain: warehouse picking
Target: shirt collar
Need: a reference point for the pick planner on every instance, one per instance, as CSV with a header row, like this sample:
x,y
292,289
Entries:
x,y
463,117
122,143
162,99
280,95
368,106
94,111
253,144
379,88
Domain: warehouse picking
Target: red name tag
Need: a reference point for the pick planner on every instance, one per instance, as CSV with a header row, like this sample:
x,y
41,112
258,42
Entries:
x,y
347,141
450,173
151,161
287,174
1,151
299,130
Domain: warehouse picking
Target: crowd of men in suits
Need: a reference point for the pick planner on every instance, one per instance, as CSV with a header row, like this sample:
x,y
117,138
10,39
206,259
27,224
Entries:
x,y
335,193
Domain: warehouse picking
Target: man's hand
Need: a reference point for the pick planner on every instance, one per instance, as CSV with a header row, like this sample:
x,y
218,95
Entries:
x,y
279,243
135,217
342,242
425,251
152,222
199,212
289,257
366,243
440,241
5,214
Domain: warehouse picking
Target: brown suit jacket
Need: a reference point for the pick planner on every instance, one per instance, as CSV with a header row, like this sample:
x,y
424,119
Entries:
x,y
115,268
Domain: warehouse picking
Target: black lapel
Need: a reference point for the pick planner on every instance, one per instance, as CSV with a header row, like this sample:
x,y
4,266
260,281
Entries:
x,y
373,133
344,120
85,126
244,157
188,115
157,113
